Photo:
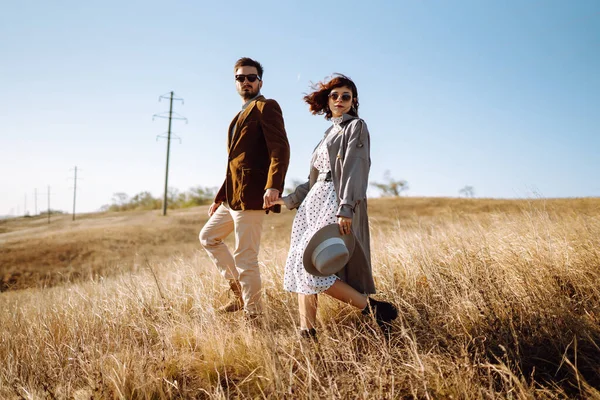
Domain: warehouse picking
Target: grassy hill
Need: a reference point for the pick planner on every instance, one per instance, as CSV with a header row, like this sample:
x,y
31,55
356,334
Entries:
x,y
498,298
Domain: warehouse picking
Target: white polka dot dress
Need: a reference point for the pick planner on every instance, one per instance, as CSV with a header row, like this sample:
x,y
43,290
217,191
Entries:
x,y
316,211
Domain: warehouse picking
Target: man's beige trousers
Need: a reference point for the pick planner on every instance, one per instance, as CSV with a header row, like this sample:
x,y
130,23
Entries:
x,y
242,266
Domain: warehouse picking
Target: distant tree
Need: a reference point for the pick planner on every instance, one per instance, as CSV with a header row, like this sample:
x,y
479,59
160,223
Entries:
x,y
172,197
467,191
198,196
52,212
391,186
143,201
120,198
175,199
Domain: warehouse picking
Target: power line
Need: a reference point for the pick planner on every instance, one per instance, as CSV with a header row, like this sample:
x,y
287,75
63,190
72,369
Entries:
x,y
170,117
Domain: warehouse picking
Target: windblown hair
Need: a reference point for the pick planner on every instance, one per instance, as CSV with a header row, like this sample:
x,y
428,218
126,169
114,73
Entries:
x,y
248,62
318,100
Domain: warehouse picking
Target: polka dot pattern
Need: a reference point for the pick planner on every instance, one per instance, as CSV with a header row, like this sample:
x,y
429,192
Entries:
x,y
316,211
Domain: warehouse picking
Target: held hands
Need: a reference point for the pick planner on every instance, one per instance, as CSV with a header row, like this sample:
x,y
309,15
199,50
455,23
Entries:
x,y
271,198
279,201
345,223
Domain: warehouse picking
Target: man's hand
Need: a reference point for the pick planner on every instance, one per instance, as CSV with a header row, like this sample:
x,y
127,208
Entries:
x,y
270,198
213,207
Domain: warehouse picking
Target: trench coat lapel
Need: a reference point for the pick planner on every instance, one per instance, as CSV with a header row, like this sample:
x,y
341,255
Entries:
x,y
336,148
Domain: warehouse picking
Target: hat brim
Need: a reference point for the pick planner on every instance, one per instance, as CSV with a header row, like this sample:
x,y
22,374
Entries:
x,y
327,232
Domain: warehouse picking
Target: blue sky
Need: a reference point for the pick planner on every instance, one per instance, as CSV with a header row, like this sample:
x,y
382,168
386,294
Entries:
x,y
503,96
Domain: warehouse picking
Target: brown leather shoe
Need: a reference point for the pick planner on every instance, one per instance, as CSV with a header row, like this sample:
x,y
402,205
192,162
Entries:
x,y
237,303
254,321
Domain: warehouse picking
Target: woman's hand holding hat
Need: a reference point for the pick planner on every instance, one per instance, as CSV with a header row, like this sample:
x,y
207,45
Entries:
x,y
345,224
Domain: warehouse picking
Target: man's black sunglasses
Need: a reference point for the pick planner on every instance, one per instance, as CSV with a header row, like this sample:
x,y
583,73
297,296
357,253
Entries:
x,y
251,78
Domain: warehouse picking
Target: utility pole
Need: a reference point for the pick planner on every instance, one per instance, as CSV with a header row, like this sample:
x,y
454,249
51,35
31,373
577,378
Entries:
x,y
74,192
25,206
35,198
170,117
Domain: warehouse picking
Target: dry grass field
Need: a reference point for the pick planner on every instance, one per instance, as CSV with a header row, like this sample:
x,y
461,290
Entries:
x,y
498,298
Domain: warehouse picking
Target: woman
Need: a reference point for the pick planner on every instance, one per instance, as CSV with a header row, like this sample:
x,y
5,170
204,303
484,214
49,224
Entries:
x,y
334,194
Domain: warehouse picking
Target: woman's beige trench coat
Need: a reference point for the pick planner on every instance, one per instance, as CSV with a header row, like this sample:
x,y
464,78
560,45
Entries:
x,y
349,153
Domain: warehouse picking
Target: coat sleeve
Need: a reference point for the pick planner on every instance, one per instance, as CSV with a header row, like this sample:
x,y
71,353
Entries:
x,y
277,144
294,199
354,178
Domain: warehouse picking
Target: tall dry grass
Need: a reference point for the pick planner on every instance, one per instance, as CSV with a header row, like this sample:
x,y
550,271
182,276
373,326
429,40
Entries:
x,y
493,305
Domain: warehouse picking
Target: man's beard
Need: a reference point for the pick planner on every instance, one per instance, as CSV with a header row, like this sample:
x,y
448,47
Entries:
x,y
247,95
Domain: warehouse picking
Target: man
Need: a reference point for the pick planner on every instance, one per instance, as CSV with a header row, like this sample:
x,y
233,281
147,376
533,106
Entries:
x,y
258,160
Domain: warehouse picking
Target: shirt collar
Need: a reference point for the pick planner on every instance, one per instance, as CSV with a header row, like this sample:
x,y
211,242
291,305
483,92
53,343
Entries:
x,y
344,117
246,104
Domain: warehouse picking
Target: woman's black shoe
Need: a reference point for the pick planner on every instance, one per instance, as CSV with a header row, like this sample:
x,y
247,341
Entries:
x,y
383,312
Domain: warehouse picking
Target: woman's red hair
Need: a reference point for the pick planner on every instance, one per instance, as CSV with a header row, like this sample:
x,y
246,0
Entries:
x,y
318,100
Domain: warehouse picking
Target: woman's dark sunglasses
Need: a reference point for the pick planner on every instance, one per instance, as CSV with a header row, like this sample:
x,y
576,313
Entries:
x,y
251,78
345,97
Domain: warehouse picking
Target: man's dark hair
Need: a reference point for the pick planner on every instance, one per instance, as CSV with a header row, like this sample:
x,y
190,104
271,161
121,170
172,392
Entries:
x,y
248,62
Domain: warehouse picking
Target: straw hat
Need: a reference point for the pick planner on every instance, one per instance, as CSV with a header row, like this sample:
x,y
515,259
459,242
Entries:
x,y
328,251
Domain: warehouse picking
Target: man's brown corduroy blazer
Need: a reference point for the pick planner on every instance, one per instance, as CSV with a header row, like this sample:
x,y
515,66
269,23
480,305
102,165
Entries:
x,y
259,155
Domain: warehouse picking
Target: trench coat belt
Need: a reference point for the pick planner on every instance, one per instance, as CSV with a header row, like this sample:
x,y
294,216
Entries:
x,y
324,176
